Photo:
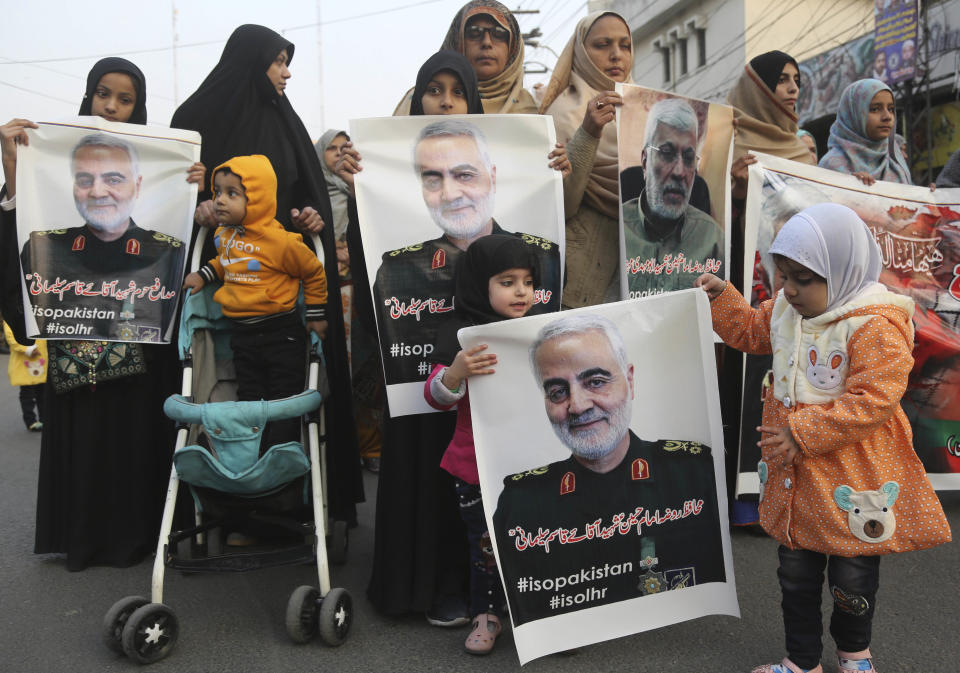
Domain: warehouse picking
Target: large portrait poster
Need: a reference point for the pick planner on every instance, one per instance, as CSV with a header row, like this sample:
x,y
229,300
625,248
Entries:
x,y
675,155
600,454
919,235
104,214
429,187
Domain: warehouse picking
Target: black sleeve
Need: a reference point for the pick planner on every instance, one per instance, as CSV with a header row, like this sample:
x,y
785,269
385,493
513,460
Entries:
x,y
11,296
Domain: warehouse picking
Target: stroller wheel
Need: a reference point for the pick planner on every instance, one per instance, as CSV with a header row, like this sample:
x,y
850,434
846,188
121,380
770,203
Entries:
x,y
336,616
116,618
302,614
150,633
339,541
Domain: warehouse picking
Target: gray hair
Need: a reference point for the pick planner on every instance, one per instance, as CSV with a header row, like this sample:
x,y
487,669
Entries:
x,y
673,112
104,140
447,128
580,324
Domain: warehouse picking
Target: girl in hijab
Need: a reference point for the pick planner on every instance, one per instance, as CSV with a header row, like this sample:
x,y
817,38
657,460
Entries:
x,y
861,139
495,278
840,482
101,484
581,99
488,35
241,109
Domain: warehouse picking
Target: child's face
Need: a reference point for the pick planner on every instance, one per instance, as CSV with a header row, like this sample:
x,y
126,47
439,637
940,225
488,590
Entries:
x,y
805,290
511,292
229,198
444,95
881,116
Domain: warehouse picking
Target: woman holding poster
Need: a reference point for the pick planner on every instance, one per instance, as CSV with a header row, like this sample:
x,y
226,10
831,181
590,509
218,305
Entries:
x,y
581,99
105,451
240,109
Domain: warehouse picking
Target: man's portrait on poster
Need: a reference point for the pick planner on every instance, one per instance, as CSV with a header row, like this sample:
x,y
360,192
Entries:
x,y
621,517
107,278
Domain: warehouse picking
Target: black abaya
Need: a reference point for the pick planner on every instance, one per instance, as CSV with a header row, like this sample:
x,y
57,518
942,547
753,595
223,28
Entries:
x,y
237,112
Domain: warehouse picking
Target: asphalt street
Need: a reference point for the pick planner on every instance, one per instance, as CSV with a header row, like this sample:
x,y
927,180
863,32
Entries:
x,y
51,619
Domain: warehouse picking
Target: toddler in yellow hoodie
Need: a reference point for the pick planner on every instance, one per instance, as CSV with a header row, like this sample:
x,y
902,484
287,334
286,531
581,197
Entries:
x,y
28,370
262,266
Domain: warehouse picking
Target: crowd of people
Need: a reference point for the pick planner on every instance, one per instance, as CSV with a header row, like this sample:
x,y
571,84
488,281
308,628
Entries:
x,y
101,485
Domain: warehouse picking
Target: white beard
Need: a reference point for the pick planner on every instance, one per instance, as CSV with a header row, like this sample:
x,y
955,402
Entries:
x,y
103,221
598,442
661,209
468,225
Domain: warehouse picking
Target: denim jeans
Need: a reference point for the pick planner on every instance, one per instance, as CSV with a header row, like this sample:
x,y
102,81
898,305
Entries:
x,y
486,591
853,584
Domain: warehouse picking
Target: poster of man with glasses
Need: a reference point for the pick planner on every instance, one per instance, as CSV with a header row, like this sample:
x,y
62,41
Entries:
x,y
674,153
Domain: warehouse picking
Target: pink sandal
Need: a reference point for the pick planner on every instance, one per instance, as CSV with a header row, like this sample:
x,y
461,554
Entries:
x,y
486,628
855,661
785,666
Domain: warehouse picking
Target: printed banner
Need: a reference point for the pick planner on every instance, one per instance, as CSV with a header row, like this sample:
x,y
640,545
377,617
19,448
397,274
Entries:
x,y
675,155
895,40
919,236
429,187
104,213
601,468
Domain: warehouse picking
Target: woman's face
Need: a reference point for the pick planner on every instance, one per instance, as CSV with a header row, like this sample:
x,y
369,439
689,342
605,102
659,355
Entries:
x,y
609,47
881,116
486,45
444,95
278,73
114,97
333,149
788,87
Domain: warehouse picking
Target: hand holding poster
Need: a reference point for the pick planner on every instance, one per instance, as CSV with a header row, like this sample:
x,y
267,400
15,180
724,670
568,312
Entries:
x,y
600,464
430,186
107,263
919,236
675,157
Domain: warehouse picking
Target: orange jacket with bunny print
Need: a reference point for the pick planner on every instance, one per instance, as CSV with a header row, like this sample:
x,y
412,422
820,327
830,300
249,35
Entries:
x,y
858,488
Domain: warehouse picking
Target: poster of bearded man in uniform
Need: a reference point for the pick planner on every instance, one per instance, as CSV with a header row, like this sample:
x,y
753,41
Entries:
x,y
675,155
104,215
430,186
600,455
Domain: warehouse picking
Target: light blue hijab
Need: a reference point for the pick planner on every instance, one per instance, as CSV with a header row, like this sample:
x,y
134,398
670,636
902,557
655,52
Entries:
x,y
849,150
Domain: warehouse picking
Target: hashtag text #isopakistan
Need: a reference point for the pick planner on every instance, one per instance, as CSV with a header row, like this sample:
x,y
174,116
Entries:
x,y
621,524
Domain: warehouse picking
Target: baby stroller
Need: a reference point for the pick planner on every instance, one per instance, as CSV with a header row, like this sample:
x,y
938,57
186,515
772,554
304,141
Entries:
x,y
216,455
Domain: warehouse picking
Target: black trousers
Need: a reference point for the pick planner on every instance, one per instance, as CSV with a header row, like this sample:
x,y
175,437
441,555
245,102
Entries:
x,y
486,590
31,397
853,584
270,361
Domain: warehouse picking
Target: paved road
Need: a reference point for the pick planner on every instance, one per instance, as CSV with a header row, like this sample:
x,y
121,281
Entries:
x,y
50,619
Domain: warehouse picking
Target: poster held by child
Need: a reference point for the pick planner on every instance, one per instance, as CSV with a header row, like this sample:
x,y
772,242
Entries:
x,y
834,437
495,280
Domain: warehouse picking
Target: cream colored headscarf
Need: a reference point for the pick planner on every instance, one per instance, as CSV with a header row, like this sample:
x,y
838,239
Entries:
x,y
576,79
763,123
503,94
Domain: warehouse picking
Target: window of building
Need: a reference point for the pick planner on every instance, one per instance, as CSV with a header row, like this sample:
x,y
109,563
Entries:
x,y
701,34
682,57
665,52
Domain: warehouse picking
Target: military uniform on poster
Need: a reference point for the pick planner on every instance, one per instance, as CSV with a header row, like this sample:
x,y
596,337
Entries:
x,y
569,538
414,292
83,287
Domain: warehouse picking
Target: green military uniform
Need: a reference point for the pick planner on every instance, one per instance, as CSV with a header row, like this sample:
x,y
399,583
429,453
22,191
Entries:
x,y
671,262
413,295
569,538
84,288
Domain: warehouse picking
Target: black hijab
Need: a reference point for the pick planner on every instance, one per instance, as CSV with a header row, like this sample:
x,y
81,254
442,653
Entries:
x,y
484,259
769,67
456,64
237,111
114,64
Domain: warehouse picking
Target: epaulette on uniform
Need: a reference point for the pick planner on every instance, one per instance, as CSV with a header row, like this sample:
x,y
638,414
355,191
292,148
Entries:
x,y
48,232
172,241
678,446
542,243
417,247
535,472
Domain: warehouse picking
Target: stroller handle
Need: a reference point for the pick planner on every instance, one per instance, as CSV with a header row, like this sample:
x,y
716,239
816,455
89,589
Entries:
x,y
179,409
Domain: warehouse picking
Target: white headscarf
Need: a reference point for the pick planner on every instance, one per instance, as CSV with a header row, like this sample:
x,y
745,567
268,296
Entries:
x,y
832,241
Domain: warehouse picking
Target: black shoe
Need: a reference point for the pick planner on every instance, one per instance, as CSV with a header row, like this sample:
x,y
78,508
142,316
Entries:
x,y
372,464
449,611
